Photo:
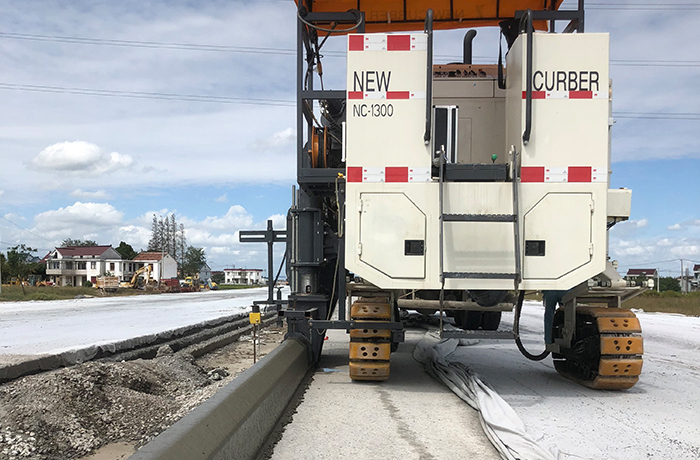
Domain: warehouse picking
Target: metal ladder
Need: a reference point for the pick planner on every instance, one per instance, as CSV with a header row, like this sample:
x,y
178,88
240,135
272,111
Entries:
x,y
505,218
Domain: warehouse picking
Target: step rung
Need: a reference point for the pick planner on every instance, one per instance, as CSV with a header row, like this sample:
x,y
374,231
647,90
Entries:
x,y
477,334
478,217
481,276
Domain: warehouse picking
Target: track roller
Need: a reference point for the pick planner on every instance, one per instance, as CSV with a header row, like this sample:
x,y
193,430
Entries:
x,y
606,353
370,349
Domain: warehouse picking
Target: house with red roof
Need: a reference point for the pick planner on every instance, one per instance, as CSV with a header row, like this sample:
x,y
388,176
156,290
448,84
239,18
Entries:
x,y
648,273
73,265
163,265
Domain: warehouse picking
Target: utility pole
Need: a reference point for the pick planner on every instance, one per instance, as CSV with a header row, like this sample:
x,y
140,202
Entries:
x,y
658,288
682,288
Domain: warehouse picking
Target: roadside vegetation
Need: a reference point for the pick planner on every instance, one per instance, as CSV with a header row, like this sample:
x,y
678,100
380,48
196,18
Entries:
x,y
228,287
671,301
15,293
667,302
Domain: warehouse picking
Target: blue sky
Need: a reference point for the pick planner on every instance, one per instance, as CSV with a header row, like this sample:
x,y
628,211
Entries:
x,y
80,166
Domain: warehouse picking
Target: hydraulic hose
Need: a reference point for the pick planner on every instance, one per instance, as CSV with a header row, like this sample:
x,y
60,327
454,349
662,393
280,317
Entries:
x,y
516,331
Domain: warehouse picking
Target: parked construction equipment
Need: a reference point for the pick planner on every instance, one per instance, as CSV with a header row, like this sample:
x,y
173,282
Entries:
x,y
456,188
107,283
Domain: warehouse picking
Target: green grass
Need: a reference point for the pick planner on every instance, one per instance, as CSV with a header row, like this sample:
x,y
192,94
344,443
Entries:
x,y
14,293
228,287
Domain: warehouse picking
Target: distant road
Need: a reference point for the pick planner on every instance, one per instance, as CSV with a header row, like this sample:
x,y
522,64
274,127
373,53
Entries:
x,y
32,328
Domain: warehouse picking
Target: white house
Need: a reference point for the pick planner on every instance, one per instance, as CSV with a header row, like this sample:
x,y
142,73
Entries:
x,y
73,265
205,272
247,276
164,266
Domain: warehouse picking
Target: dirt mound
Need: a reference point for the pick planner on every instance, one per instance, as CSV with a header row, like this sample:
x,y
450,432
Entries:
x,y
70,412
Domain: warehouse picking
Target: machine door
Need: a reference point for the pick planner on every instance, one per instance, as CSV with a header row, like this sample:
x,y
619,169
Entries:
x,y
392,235
557,235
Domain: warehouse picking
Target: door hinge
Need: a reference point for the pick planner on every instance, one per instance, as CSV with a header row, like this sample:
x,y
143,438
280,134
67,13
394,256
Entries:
x,y
590,249
592,205
359,249
359,206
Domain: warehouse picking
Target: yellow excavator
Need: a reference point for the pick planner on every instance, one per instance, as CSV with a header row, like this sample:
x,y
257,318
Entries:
x,y
147,269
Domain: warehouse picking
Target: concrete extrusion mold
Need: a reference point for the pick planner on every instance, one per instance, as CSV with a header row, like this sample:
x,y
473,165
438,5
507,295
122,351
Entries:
x,y
236,421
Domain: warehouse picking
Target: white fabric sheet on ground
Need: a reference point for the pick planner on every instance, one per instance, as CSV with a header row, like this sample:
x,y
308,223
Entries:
x,y
50,327
501,424
658,419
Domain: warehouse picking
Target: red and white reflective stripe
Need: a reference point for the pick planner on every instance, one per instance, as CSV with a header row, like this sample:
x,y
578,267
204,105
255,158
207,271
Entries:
x,y
563,174
388,174
387,42
567,94
388,95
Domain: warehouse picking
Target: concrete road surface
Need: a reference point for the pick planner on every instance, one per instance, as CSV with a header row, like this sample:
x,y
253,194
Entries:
x,y
409,417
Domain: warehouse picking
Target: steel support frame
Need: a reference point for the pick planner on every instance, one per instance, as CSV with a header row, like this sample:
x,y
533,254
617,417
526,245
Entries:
x,y
269,236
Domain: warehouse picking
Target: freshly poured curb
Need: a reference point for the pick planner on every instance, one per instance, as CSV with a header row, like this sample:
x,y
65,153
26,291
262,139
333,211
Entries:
x,y
236,421
145,346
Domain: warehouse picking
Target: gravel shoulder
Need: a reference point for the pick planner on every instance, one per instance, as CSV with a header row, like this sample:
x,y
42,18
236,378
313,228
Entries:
x,y
106,410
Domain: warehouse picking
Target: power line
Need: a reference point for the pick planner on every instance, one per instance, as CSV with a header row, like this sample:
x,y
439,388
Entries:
x,y
26,230
147,44
658,115
652,63
273,50
265,102
643,6
146,95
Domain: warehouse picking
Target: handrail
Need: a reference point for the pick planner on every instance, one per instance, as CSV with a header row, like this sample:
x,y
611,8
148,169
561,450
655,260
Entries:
x,y
528,84
429,77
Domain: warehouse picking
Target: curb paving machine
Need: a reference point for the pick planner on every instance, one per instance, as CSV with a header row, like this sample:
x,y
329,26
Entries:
x,y
456,187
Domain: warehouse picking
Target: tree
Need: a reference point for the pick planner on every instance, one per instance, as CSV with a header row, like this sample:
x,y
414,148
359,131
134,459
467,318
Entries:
x,y
168,236
669,283
218,278
21,263
154,242
194,260
126,251
70,242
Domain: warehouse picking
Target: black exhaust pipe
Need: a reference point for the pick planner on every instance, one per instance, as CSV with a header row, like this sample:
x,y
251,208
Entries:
x,y
468,37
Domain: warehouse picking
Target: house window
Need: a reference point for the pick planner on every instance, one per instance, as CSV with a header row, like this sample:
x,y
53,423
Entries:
x,y
69,265
93,265
111,266
81,265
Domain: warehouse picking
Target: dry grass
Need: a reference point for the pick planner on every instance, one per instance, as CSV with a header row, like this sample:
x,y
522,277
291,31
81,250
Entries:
x,y
663,302
14,293
667,302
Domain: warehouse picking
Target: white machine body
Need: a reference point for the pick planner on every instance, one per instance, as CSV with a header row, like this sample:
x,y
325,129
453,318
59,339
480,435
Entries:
x,y
393,218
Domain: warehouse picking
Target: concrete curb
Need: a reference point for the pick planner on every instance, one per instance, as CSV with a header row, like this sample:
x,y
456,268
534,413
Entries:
x,y
236,421
138,347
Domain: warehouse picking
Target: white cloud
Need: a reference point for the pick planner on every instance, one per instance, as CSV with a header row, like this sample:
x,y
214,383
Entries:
x,y
235,218
280,138
79,221
665,242
79,157
222,199
685,225
1,192
641,223
685,250
14,217
96,195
